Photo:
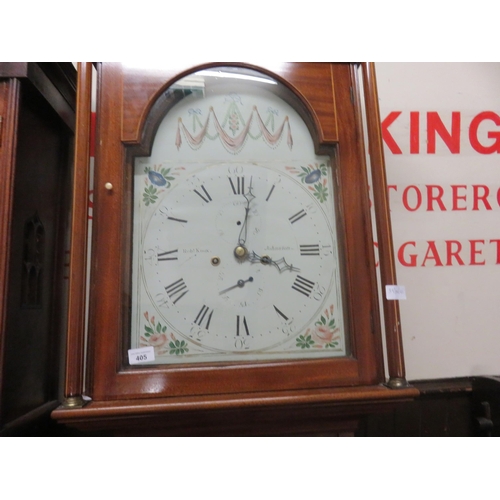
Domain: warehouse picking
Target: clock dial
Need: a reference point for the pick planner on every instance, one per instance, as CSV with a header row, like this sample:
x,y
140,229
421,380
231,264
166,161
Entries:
x,y
235,258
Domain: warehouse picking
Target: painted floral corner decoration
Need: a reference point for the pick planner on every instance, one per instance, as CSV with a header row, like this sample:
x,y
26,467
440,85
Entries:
x,y
325,333
157,180
316,178
305,341
155,335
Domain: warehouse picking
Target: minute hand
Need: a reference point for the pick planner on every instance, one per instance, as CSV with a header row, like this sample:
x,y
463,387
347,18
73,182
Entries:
x,y
242,238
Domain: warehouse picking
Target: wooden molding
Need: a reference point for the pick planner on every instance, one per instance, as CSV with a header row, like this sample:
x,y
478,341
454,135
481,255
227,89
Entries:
x,y
75,339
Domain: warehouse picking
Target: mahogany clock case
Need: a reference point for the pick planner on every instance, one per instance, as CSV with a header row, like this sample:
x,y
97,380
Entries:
x,y
137,103
132,102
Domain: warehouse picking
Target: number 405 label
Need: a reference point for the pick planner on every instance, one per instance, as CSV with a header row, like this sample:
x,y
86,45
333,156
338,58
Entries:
x,y
141,355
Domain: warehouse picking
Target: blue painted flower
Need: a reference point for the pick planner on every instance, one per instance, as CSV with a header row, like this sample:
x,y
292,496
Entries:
x,y
313,176
156,178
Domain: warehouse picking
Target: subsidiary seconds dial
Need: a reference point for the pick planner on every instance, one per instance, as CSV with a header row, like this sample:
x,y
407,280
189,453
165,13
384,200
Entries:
x,y
239,258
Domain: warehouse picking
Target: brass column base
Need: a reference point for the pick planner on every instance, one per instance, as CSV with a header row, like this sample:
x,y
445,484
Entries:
x,y
397,383
74,402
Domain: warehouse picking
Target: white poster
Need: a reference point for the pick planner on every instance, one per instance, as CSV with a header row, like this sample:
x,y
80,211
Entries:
x,y
441,132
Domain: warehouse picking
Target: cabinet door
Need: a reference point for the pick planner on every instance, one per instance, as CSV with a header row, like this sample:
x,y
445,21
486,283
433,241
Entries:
x,y
35,170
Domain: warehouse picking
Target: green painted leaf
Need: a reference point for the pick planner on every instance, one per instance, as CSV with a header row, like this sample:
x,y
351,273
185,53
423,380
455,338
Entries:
x,y
148,329
321,192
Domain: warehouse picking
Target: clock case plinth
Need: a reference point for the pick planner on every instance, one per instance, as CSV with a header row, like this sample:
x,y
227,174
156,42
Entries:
x,y
131,103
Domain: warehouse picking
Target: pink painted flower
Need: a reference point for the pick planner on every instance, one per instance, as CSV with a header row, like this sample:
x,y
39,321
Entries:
x,y
322,334
157,339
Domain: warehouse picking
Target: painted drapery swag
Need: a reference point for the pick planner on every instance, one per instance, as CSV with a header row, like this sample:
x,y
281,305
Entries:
x,y
234,144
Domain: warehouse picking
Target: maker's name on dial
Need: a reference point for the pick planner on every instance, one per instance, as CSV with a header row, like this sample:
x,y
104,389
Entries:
x,y
272,248
195,250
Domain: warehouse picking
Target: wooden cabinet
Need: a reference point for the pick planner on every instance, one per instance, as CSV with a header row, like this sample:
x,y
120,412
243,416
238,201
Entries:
x,y
37,119
230,350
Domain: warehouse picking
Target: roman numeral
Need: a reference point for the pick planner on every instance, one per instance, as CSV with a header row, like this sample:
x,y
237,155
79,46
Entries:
x,y
238,186
203,197
297,216
201,316
168,255
303,285
177,220
309,249
270,192
280,313
165,211
244,325
176,289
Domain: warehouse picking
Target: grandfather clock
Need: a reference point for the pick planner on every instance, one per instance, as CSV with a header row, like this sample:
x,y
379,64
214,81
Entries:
x,y
37,121
233,284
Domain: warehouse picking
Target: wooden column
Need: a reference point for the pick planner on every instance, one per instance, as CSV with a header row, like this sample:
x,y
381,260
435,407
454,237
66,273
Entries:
x,y
395,358
75,352
9,97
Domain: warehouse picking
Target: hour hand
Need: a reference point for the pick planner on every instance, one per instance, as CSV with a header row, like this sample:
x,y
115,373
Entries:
x,y
280,264
239,284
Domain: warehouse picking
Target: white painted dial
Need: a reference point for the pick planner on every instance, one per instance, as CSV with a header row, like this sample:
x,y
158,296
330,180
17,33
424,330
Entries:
x,y
259,302
235,252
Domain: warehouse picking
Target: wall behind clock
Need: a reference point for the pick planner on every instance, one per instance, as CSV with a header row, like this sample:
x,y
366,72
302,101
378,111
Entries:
x,y
441,132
